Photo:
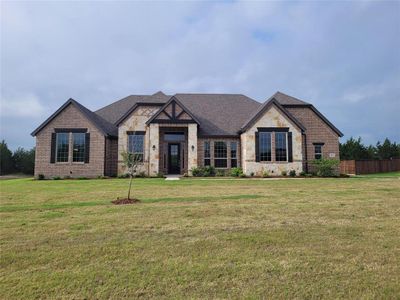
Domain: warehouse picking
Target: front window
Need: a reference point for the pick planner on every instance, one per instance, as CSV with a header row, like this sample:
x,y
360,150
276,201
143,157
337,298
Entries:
x,y
136,145
281,146
78,154
220,154
62,144
265,146
233,154
318,151
207,154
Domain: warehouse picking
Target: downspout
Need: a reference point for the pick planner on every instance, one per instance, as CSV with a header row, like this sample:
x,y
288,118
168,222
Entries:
x,y
305,151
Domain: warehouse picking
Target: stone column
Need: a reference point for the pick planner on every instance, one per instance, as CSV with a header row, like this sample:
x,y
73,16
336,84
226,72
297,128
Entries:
x,y
192,147
154,156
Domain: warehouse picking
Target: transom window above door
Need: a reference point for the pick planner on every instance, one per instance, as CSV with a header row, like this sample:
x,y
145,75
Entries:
x,y
174,137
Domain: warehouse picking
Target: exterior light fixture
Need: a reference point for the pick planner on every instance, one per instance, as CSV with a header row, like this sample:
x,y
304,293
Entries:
x,y
154,147
192,147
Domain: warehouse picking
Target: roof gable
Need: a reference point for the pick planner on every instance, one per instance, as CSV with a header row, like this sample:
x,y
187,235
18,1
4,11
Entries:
x,y
104,127
173,112
264,108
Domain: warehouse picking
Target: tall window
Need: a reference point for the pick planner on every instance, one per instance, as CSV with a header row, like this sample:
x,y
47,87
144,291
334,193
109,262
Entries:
x,y
78,154
280,146
136,145
265,146
318,151
220,154
233,154
207,154
62,147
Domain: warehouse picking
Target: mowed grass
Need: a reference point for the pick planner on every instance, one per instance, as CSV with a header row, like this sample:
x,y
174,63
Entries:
x,y
292,238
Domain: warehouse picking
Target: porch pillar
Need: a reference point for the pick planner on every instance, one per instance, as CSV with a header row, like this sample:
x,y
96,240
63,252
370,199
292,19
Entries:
x,y
154,149
192,147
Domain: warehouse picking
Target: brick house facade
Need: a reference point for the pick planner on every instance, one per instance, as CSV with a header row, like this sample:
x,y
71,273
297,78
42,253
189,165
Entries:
x,y
173,134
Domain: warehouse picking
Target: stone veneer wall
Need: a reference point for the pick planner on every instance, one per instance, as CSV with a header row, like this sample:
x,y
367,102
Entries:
x,y
317,132
135,122
70,117
272,118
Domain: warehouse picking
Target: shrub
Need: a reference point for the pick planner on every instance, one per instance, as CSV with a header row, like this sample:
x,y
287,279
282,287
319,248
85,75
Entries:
x,y
284,173
326,167
242,175
236,172
101,177
292,173
82,178
197,172
56,178
220,173
208,171
67,177
141,175
265,174
303,174
41,177
123,176
161,175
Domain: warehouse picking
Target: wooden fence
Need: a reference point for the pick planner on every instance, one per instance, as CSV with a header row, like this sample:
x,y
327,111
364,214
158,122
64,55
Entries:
x,y
369,166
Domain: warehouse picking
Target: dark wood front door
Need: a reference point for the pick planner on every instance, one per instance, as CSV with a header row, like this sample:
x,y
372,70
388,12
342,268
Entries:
x,y
174,159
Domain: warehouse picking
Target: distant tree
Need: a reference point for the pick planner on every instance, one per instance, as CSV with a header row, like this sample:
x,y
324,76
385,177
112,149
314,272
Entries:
x,y
24,160
354,149
6,160
388,149
131,161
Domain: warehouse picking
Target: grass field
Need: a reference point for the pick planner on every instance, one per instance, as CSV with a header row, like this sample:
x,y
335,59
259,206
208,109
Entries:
x,y
292,238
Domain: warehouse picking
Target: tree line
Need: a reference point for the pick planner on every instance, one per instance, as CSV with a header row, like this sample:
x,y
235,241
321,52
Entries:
x,y
19,161
355,149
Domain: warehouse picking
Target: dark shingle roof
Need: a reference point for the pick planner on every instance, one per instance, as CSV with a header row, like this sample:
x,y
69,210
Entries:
x,y
107,128
284,99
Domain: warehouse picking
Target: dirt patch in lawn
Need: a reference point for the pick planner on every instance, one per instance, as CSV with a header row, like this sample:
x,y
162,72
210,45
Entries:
x,y
125,201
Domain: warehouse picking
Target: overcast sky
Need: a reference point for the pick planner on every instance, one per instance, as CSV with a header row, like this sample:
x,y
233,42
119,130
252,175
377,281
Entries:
x,y
344,57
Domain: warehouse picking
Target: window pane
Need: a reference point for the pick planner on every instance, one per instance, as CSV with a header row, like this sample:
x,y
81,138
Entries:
x,y
265,146
233,150
220,163
136,145
78,154
207,150
174,137
233,163
207,162
62,147
220,150
220,154
280,146
318,151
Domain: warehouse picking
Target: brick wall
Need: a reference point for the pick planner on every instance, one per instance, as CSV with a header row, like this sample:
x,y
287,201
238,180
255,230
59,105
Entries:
x,y
70,117
317,131
111,162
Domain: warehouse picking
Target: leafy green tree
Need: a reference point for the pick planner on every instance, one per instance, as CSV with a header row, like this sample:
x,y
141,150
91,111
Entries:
x,y
388,149
24,160
6,160
354,149
131,161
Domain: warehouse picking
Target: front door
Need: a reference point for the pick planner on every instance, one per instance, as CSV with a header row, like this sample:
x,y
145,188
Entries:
x,y
174,159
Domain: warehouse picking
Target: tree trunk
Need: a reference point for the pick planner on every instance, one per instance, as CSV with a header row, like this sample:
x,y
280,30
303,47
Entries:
x,y
130,184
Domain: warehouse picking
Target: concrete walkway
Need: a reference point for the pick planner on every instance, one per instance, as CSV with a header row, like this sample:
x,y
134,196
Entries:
x,y
172,177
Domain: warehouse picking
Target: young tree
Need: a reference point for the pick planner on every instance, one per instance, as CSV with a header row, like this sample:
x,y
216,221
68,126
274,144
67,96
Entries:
x,y
131,161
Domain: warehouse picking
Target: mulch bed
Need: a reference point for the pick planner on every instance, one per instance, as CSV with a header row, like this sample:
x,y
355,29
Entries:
x,y
125,201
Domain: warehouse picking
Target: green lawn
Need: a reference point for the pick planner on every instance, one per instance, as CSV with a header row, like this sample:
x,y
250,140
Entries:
x,y
388,174
292,238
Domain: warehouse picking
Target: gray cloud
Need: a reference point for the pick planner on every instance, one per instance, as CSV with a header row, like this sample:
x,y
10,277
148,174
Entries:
x,y
341,56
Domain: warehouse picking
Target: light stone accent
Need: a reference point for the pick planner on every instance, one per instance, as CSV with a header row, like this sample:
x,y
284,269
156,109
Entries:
x,y
272,118
192,141
154,156
135,122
